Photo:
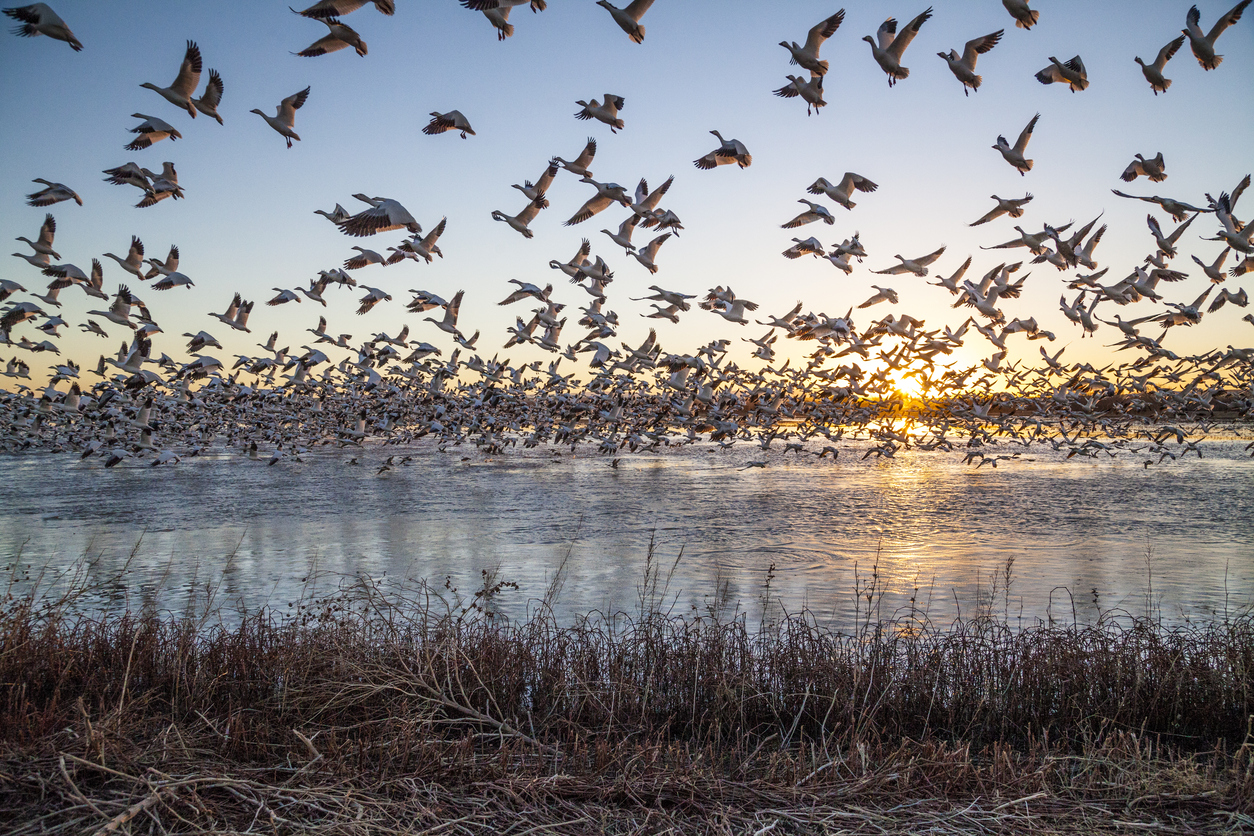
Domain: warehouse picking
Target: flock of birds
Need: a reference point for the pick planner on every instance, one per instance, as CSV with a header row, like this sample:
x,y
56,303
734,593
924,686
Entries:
x,y
891,381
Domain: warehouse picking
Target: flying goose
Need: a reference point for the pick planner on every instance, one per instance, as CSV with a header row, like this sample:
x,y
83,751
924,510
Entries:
x,y
1072,73
285,116
580,164
120,311
648,253
1203,45
843,191
208,103
811,92
729,151
134,261
163,185
815,212
1153,168
451,121
1178,209
1154,72
1025,18
339,37
892,45
808,56
47,231
917,266
180,91
628,18
1014,155
52,193
384,215
607,193
449,322
338,8
236,314
39,19
520,221
963,67
1012,207
151,130
607,113
623,237
541,186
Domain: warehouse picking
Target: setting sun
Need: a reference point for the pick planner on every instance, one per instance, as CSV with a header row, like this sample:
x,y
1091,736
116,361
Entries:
x,y
908,386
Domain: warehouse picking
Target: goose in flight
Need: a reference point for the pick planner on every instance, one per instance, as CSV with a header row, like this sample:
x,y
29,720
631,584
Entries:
x,y
607,193
648,253
1025,18
497,12
810,246
1233,233
52,193
384,215
163,185
134,261
339,37
284,120
159,267
423,248
1154,72
963,67
1014,155
451,121
843,191
208,103
236,314
1167,243
628,17
808,56
47,231
180,91
580,164
119,312
729,151
338,8
607,113
892,45
1203,44
525,290
1012,207
130,174
519,223
917,266
538,189
39,19
1072,73
816,212
151,130
883,294
644,206
811,92
1153,168
449,322
1215,270
363,258
623,237
1178,209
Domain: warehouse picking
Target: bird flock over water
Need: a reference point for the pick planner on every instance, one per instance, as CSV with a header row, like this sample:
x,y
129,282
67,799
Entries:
x,y
890,383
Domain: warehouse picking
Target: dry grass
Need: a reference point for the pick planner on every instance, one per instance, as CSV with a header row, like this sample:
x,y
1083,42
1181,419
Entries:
x,y
402,711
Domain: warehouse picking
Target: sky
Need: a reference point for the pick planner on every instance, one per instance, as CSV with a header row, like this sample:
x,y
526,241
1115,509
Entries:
x,y
247,223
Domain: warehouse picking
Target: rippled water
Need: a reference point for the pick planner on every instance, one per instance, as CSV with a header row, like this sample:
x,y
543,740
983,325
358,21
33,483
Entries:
x,y
1083,533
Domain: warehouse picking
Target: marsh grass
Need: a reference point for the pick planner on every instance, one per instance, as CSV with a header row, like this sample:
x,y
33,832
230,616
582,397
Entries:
x,y
410,708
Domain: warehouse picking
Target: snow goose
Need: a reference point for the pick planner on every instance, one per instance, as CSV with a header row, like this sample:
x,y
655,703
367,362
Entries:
x,y
811,92
810,246
645,203
623,237
917,266
134,261
1154,72
159,267
1025,18
285,118
538,189
1014,155
236,314
39,19
339,37
883,294
52,193
448,324
1153,168
1072,73
282,298
1178,209
815,212
843,191
336,216
606,113
162,186
497,12
1012,207
423,248
119,312
130,174
646,255
963,67
607,193
338,8
628,17
1203,45
180,91
363,258
892,45
1215,270
573,267
46,233
808,56
451,121
1167,243
384,215
520,221
208,103
151,130
729,151
580,164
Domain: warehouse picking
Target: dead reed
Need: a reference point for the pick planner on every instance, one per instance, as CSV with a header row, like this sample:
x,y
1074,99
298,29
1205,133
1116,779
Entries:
x,y
410,710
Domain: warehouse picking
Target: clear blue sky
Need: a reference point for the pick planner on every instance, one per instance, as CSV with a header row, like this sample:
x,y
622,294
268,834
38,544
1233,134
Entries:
x,y
247,223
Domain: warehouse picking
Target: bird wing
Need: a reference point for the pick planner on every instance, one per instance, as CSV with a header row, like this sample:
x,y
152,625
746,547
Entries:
x,y
1226,20
48,230
334,8
637,8
992,214
1153,225
435,234
853,181
886,33
213,91
653,246
823,30
585,156
1050,75
451,309
906,35
788,91
979,46
1165,54
928,259
293,103
546,179
529,212
1022,143
327,43
188,78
